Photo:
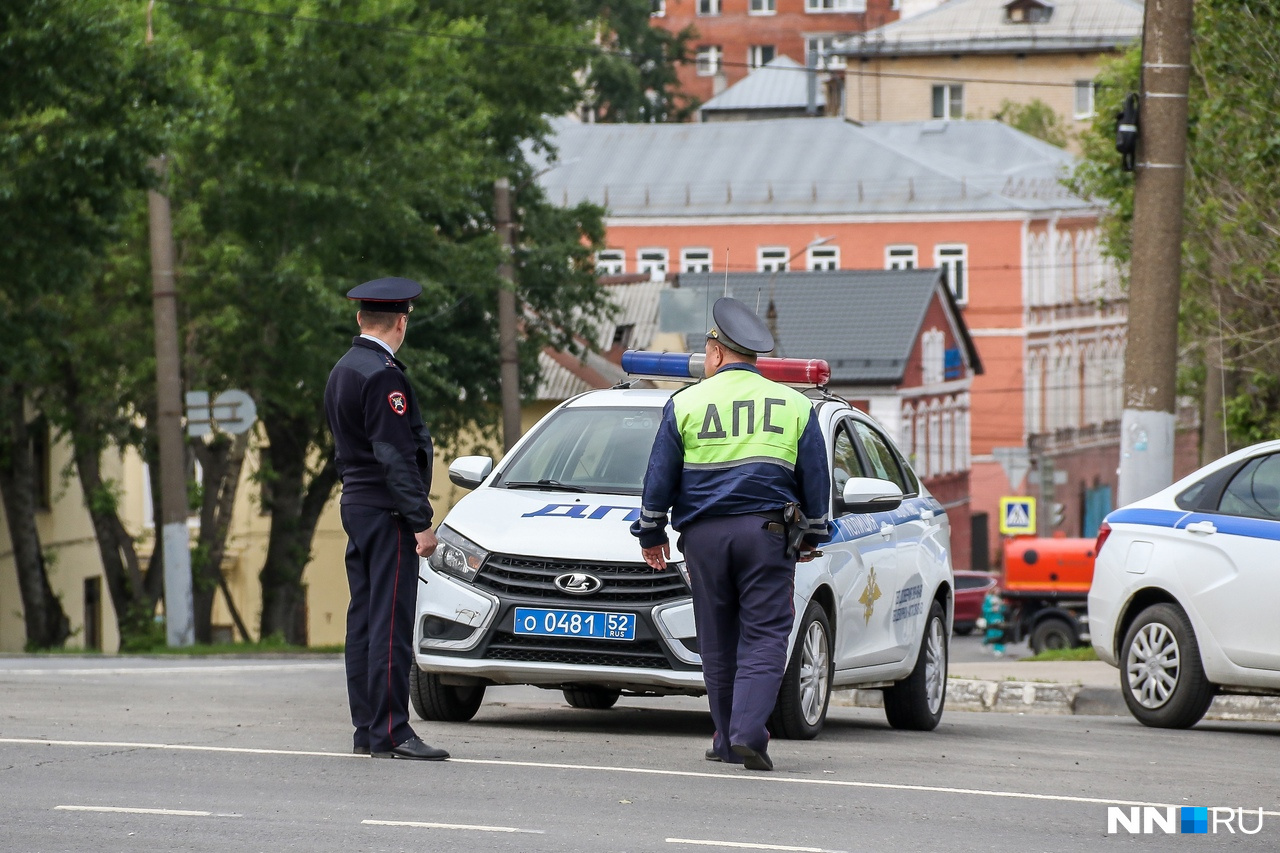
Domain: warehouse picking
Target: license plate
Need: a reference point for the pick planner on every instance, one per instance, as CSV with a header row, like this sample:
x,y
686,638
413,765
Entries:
x,y
575,623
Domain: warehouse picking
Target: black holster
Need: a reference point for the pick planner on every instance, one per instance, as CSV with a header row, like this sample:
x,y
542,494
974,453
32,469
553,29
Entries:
x,y
795,526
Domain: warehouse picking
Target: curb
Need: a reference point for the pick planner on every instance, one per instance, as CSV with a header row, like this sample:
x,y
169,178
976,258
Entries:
x,y
1039,697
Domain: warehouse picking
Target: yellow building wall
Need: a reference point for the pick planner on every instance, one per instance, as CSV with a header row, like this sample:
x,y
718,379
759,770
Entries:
x,y
901,89
66,535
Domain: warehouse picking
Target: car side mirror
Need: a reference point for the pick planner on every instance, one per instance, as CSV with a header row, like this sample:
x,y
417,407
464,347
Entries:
x,y
470,471
867,494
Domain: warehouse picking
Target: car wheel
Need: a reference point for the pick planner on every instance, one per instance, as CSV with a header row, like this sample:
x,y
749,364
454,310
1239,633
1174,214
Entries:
x,y
442,703
591,698
1053,633
962,629
916,701
801,709
1162,679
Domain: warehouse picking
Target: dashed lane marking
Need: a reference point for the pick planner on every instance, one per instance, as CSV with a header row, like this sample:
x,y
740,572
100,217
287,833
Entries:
x,y
417,824
123,810
747,845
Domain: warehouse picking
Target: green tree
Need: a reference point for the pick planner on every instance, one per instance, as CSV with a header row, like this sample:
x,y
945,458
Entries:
x,y
633,78
1230,305
82,109
1035,118
352,149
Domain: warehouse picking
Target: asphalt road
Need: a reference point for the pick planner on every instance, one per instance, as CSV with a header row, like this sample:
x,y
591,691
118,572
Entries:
x,y
251,755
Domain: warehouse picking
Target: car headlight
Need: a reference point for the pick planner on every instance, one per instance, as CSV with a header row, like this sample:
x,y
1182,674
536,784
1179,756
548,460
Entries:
x,y
456,555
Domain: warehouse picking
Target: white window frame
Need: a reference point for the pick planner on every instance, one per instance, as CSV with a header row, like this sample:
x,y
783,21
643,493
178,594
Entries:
x,y
707,60
695,259
933,357
823,258
820,44
825,7
659,9
611,262
953,260
712,8
773,259
653,260
952,101
762,7
901,256
1088,90
755,55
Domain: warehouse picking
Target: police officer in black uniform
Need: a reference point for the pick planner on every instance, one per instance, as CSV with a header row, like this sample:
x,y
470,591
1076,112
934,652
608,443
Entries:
x,y
384,455
731,454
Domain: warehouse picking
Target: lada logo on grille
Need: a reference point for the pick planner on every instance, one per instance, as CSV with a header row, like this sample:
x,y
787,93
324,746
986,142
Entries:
x,y
578,583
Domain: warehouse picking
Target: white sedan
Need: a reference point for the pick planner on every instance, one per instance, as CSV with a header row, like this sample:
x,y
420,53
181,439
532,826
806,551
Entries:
x,y
1186,589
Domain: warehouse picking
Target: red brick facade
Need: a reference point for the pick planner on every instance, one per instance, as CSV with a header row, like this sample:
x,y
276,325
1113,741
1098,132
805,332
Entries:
x,y
735,30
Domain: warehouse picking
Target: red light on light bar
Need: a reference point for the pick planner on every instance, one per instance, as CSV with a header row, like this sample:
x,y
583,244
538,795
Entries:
x,y
795,371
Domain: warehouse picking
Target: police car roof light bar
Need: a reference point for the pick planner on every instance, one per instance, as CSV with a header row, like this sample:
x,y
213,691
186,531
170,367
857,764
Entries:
x,y
681,366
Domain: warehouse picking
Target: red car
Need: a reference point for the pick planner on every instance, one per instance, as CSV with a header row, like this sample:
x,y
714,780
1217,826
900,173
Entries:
x,y
971,588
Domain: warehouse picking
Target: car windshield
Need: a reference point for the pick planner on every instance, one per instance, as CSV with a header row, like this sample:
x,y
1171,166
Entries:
x,y
604,450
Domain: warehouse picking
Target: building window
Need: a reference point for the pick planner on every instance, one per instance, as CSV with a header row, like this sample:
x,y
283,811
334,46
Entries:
x,y
658,9
764,7
707,60
821,47
760,54
611,262
900,257
708,7
772,259
653,262
623,335
1027,12
933,350
824,258
695,260
948,101
953,261
835,5
1084,98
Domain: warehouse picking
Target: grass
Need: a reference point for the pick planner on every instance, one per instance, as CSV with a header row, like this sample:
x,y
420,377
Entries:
x,y
1079,653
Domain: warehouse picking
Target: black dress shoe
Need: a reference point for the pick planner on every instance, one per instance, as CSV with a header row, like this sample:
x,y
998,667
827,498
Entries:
x,y
415,749
712,755
752,759
359,750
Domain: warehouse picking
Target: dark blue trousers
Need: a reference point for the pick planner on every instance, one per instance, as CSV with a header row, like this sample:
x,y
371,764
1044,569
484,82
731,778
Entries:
x,y
742,604
382,572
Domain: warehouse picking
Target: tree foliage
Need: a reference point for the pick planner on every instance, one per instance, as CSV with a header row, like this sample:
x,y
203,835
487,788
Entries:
x,y
1035,118
633,78
1230,312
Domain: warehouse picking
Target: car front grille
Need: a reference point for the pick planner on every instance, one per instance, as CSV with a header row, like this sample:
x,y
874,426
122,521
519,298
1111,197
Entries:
x,y
623,583
645,654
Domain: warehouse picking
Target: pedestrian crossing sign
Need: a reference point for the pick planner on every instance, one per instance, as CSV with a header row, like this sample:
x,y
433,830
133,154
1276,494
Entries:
x,y
1018,516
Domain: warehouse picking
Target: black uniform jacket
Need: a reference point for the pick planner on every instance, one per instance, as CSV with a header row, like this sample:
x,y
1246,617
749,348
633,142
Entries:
x,y
382,447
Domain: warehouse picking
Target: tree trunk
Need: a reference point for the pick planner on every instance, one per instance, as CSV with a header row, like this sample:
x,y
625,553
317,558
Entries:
x,y
222,460
46,623
295,507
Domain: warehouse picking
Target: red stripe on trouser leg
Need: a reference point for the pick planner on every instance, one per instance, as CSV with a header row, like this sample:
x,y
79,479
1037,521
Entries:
x,y
391,634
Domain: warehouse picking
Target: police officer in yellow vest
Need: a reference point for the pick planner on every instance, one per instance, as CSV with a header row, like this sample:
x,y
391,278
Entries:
x,y
731,453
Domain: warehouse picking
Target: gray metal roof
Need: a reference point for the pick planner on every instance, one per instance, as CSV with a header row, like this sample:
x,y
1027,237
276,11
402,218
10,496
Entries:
x,y
780,84
863,322
980,26
805,167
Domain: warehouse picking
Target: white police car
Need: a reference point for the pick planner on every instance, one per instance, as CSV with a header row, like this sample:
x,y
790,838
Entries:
x,y
538,580
1186,587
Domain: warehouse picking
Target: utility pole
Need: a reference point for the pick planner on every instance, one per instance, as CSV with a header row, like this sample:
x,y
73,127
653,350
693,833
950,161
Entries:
x,y
1151,355
179,611
508,353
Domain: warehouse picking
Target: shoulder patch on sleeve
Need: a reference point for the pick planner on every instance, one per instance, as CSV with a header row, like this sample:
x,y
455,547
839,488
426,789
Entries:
x,y
399,404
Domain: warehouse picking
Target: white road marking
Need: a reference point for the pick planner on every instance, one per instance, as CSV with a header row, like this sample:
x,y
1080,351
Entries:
x,y
179,670
466,826
121,810
738,778
747,845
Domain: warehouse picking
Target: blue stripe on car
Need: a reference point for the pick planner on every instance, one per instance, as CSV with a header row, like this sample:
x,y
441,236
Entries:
x,y
1234,525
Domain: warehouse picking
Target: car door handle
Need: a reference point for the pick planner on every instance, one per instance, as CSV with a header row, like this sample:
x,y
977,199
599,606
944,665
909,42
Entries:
x,y
886,530
926,515
1205,527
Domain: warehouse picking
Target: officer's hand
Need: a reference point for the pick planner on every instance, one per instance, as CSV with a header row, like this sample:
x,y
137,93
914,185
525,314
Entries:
x,y
426,542
657,556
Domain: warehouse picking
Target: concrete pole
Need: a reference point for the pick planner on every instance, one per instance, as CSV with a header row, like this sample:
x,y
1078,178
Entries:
x,y
1151,355
178,607
508,353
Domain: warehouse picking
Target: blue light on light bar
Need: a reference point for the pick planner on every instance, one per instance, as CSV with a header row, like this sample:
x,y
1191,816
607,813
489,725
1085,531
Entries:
x,y
674,365
683,366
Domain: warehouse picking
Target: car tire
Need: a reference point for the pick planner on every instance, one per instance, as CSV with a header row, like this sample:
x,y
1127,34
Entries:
x,y
1053,633
801,709
963,629
1161,676
442,703
916,702
591,698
